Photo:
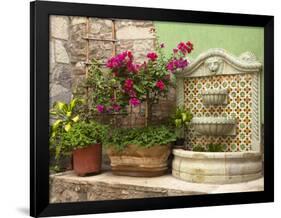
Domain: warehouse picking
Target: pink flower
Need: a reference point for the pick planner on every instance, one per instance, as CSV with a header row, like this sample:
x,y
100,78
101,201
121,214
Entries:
x,y
131,67
100,108
181,63
175,50
116,107
128,85
170,66
189,46
132,93
130,55
160,84
117,61
177,64
162,45
185,47
134,102
152,56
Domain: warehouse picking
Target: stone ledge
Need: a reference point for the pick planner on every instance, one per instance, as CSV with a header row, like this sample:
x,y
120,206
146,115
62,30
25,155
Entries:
x,y
67,187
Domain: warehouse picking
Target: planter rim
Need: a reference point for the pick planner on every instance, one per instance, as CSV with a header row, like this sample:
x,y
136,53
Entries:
x,y
217,155
138,146
89,145
212,120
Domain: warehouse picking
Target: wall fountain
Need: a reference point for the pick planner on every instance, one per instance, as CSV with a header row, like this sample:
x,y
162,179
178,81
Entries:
x,y
222,91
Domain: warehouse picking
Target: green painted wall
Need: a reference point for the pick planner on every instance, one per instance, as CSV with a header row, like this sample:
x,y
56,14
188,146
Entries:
x,y
235,39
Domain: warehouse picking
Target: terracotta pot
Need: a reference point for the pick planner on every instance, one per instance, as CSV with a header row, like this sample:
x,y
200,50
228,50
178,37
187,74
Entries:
x,y
140,162
87,160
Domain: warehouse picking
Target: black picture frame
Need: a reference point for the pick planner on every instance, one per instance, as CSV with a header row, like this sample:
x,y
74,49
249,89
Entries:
x,y
39,108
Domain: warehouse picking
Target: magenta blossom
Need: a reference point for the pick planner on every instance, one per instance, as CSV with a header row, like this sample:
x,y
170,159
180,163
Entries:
x,y
100,108
177,64
116,107
128,85
152,56
131,67
134,102
160,84
175,50
132,93
185,47
117,61
181,63
170,66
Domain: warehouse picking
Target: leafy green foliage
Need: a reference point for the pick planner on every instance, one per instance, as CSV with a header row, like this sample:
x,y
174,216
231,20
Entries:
x,y
180,120
215,148
83,134
182,117
199,148
142,137
64,116
209,148
105,88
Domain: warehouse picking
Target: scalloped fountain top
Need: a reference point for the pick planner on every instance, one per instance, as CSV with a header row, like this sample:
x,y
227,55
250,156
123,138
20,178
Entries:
x,y
212,120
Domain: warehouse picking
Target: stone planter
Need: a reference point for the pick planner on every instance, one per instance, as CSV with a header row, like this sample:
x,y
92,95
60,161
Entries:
x,y
214,96
213,126
140,162
216,167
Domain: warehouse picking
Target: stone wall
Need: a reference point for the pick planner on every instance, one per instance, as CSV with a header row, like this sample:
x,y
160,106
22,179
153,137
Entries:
x,y
74,41
60,65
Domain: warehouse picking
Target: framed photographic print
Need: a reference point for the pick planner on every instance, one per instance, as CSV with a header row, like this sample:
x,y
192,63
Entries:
x,y
142,109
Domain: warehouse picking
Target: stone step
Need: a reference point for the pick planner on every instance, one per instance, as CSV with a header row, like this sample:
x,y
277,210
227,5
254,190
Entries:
x,y
67,187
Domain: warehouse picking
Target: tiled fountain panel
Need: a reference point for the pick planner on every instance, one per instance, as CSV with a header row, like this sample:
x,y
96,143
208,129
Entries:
x,y
217,72
239,107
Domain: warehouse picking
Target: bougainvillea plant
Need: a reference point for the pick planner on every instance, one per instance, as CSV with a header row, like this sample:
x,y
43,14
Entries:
x,y
129,83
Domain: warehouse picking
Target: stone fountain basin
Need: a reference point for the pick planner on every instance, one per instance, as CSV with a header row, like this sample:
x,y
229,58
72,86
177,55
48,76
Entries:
x,y
214,126
214,96
216,167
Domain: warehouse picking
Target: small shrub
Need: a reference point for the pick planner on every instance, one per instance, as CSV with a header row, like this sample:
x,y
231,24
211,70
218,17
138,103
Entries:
x,y
142,137
209,148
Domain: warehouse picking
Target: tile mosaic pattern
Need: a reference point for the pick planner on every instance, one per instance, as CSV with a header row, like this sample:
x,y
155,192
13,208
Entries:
x,y
238,106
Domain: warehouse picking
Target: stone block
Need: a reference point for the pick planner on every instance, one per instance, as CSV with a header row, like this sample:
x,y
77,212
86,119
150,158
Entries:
x,y
61,55
59,93
133,32
59,27
62,74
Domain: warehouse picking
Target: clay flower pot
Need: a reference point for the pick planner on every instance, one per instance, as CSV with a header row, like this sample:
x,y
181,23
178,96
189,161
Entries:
x,y
87,160
140,162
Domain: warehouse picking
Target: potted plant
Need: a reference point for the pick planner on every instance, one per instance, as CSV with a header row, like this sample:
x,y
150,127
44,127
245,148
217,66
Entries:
x,y
181,119
84,140
139,151
63,116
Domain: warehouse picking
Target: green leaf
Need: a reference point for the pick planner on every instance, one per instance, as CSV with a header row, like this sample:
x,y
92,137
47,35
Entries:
x,y
184,117
178,122
58,151
75,119
67,127
56,125
61,106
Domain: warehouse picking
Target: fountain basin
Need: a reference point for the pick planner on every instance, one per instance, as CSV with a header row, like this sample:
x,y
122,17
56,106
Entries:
x,y
214,96
214,126
216,167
